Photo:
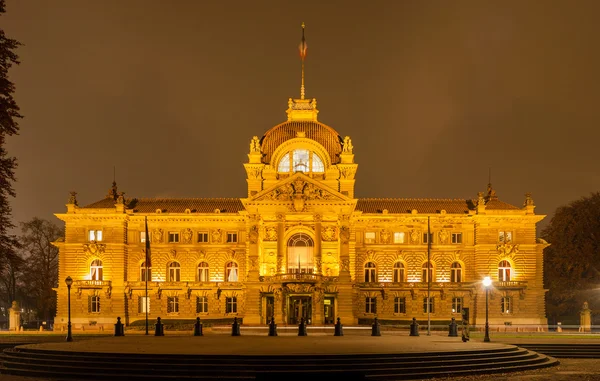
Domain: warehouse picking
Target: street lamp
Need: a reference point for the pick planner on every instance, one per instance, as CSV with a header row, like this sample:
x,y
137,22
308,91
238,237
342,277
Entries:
x,y
487,282
69,282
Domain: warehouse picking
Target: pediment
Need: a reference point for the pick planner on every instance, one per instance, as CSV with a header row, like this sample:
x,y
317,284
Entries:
x,y
300,186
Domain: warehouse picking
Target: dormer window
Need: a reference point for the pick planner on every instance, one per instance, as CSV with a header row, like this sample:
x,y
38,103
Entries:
x,y
301,160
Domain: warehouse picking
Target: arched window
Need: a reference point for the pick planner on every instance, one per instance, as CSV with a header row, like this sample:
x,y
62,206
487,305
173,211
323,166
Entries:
x,y
203,272
399,273
301,160
144,271
504,271
427,273
300,254
456,272
231,272
370,272
96,270
174,272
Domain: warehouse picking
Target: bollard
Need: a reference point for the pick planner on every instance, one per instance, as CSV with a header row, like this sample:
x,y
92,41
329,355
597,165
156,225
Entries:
x,y
375,328
302,328
414,328
119,331
453,328
158,328
198,328
272,327
339,329
235,327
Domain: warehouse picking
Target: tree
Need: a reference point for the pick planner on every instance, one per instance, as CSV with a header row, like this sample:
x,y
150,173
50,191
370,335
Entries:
x,y
40,270
9,114
572,261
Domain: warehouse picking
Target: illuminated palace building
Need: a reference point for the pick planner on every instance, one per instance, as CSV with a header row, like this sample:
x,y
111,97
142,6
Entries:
x,y
301,245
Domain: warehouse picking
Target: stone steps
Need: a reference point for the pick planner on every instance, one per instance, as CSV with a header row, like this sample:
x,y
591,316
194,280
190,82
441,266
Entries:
x,y
582,351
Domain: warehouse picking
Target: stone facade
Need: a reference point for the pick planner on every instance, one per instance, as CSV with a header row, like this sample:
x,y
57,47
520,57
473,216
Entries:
x,y
300,244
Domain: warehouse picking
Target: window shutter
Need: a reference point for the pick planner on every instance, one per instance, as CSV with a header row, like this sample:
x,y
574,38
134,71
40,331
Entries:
x,y
89,303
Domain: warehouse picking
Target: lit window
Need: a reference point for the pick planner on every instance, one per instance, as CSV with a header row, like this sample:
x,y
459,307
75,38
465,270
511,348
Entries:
x,y
428,305
399,237
457,304
505,303
369,237
144,271
399,273
427,273
370,272
428,237
95,235
174,272
504,271
94,304
231,272
284,164
456,238
505,237
456,272
202,305
96,270
173,304
232,237
202,237
231,305
301,160
399,305
143,237
143,303
300,254
370,305
173,237
317,163
203,272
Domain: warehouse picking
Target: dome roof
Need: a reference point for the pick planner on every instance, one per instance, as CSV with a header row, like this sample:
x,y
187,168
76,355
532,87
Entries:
x,y
319,132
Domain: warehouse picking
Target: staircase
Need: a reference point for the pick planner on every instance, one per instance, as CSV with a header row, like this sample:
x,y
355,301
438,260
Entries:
x,y
574,351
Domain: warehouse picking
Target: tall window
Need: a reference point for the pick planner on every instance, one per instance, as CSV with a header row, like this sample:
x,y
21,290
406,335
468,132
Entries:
x,y
174,272
399,305
504,271
506,305
172,304
231,305
143,237
96,270
301,160
457,304
202,237
370,305
399,237
95,235
399,272
231,272
203,272
94,304
428,305
427,237
456,238
300,254
145,274
427,273
370,272
143,303
369,237
202,305
232,237
505,237
456,272
173,237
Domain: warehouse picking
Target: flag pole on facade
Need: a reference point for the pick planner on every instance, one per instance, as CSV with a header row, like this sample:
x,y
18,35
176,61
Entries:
x,y
429,274
148,266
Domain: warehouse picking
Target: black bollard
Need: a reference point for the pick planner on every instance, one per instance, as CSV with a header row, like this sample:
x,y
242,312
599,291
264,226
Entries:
x,y
375,328
272,327
158,329
302,328
339,329
453,328
119,331
414,328
235,328
198,328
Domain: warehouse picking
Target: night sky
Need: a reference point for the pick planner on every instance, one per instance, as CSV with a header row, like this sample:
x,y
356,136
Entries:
x,y
432,93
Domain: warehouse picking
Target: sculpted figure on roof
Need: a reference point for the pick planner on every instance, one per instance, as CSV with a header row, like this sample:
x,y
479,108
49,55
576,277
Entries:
x,y
347,145
254,144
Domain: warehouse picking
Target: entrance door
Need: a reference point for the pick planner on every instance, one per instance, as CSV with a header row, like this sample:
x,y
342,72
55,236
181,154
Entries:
x,y
269,308
329,310
300,307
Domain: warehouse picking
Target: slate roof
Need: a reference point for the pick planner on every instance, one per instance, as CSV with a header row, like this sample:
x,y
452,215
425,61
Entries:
x,y
175,205
406,205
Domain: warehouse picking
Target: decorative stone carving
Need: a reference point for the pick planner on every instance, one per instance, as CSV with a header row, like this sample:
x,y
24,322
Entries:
x,y
347,148
94,248
507,248
385,236
72,198
270,233
345,265
253,234
299,188
344,233
121,198
157,236
253,263
186,235
254,145
329,233
216,236
414,236
444,235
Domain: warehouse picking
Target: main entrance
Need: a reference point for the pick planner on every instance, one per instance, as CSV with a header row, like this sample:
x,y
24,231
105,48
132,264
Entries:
x,y
299,307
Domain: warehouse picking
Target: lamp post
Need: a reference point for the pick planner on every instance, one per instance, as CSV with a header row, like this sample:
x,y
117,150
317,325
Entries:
x,y
69,282
487,282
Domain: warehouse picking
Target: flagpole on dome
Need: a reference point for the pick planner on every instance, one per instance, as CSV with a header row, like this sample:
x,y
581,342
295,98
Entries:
x,y
303,48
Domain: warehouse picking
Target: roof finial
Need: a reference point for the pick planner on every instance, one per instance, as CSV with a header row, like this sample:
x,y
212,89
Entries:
x,y
302,48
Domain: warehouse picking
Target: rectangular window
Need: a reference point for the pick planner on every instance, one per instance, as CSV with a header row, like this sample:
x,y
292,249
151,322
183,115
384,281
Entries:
x,y
399,305
371,305
506,305
369,237
202,305
143,302
173,237
231,237
428,305
427,237
456,238
505,237
202,237
95,235
143,237
173,304
399,237
457,304
231,305
94,304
